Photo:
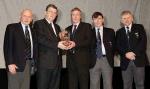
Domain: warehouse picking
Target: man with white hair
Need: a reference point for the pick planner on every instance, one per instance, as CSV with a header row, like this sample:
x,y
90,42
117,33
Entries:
x,y
19,51
131,45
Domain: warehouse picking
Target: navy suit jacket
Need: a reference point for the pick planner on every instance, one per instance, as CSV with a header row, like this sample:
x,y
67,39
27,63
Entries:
x,y
14,45
109,44
138,44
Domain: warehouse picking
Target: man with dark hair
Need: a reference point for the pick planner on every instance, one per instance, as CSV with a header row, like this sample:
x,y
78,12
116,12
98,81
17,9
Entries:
x,y
103,45
79,55
49,53
19,50
131,45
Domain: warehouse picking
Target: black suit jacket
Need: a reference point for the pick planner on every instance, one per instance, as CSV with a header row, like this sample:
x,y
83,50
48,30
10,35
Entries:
x,y
48,52
138,44
82,39
109,44
14,45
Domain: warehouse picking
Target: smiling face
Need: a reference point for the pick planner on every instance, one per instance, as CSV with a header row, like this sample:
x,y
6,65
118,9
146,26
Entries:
x,y
26,17
75,16
126,19
98,22
51,14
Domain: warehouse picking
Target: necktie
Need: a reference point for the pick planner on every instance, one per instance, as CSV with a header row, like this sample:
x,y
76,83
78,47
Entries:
x,y
53,28
128,36
28,43
128,32
72,37
99,47
73,31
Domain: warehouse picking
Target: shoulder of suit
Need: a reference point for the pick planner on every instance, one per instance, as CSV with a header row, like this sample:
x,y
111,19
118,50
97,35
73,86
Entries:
x,y
69,27
39,21
137,25
109,29
84,23
120,29
56,25
13,25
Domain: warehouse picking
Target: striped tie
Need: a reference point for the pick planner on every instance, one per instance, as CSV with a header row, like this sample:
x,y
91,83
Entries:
x,y
28,43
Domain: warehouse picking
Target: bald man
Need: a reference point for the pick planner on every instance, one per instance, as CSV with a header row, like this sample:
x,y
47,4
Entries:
x,y
19,51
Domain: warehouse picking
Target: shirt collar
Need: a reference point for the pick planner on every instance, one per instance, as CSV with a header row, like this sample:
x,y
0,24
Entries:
x,y
129,27
100,28
77,24
49,21
23,26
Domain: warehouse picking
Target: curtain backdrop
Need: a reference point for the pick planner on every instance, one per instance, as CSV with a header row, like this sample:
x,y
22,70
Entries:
x,y
10,12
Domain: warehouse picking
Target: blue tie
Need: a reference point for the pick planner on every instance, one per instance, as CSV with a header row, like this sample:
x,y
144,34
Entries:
x,y
99,47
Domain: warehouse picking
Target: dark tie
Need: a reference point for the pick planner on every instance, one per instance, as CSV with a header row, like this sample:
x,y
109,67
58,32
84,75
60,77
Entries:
x,y
72,37
128,36
99,47
73,31
28,43
128,32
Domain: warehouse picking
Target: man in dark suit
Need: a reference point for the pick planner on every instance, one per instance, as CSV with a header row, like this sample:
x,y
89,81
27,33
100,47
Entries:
x,y
79,55
49,54
103,53
19,50
131,45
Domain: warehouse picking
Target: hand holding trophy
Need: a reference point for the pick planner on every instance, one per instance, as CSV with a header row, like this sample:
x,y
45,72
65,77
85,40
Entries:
x,y
65,37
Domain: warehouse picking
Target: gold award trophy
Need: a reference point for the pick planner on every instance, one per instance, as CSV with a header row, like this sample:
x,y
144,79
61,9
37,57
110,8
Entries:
x,y
65,36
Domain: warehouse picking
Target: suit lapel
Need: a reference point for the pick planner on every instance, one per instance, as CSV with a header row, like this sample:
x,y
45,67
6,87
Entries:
x,y
104,34
49,29
79,27
133,30
20,30
94,32
57,29
124,35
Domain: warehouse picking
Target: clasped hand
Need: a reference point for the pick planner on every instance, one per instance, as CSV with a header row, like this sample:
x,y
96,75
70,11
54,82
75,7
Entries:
x,y
65,42
66,45
130,55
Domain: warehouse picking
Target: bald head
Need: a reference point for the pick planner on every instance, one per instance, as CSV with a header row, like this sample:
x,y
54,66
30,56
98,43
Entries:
x,y
26,16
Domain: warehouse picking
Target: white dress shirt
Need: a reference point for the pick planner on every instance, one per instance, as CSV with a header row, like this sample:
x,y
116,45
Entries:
x,y
31,40
76,26
129,28
102,44
53,27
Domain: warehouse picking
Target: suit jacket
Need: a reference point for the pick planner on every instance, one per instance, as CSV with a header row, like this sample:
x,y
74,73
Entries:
x,y
48,53
14,45
138,44
109,44
82,39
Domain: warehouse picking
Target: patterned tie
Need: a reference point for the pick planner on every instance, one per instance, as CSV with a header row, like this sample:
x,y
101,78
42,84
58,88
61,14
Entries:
x,y
128,36
99,47
128,32
28,43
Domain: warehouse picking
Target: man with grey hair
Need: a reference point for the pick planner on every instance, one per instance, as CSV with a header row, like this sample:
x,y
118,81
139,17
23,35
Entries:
x,y
19,50
131,45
